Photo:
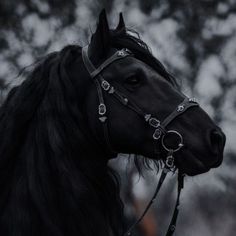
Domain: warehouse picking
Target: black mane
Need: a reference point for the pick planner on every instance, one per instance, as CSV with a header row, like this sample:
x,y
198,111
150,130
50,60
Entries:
x,y
50,185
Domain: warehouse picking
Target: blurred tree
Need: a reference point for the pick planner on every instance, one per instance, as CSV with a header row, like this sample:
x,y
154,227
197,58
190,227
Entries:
x,y
21,23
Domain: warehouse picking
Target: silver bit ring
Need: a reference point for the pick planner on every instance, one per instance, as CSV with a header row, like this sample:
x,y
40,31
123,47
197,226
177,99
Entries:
x,y
180,144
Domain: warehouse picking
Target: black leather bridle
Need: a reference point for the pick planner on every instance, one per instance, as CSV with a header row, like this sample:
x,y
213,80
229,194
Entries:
x,y
160,127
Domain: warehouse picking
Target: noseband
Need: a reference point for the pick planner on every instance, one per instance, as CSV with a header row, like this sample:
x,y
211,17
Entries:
x,y
160,131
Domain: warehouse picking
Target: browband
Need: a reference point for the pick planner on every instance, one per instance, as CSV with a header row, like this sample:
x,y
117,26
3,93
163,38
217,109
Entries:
x,y
96,71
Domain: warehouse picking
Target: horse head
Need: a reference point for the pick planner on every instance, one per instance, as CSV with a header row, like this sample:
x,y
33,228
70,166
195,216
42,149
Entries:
x,y
139,97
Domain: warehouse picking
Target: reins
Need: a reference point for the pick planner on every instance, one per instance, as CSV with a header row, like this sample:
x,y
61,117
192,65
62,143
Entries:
x,y
160,127
172,225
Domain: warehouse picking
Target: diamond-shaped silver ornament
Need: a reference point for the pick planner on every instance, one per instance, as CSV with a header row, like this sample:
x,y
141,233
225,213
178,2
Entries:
x,y
111,90
103,119
147,117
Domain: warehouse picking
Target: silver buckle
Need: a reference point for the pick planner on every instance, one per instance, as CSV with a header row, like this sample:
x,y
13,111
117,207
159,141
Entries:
x,y
170,161
105,85
102,109
154,122
157,134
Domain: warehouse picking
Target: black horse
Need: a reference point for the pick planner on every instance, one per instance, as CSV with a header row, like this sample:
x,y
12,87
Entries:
x,y
54,177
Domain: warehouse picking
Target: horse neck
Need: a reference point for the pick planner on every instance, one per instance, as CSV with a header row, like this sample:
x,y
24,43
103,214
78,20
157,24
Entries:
x,y
83,199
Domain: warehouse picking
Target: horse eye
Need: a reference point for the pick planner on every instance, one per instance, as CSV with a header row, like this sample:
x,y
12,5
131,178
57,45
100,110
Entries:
x,y
133,80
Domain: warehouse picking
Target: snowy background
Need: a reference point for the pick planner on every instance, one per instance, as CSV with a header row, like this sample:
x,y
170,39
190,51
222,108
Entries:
x,y
196,40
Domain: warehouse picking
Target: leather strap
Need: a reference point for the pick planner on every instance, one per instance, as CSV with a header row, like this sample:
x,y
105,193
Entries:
x,y
172,226
96,71
116,56
181,108
90,68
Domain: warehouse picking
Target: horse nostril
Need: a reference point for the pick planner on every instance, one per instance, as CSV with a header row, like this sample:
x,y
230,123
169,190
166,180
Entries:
x,y
217,141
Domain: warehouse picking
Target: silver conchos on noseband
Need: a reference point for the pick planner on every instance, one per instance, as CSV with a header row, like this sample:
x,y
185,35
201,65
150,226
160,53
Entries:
x,y
160,127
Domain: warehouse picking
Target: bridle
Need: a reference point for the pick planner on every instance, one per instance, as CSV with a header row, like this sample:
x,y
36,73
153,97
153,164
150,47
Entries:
x,y
160,131
160,127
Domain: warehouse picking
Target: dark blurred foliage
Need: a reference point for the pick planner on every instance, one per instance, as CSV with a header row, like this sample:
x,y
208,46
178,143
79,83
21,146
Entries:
x,y
12,14
13,11
192,16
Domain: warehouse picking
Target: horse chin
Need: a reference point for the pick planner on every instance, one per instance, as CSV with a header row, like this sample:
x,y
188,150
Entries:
x,y
188,164
191,165
186,161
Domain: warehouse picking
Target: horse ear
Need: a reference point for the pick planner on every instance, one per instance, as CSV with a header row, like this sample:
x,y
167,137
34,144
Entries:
x,y
100,40
121,24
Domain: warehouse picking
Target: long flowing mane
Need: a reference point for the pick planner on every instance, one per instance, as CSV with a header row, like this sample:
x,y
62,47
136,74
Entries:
x,y
50,181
